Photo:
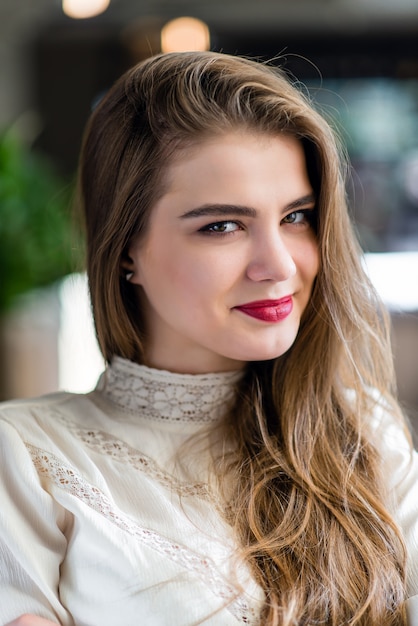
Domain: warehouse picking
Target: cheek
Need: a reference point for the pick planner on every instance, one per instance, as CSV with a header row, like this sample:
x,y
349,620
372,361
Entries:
x,y
199,274
180,279
309,261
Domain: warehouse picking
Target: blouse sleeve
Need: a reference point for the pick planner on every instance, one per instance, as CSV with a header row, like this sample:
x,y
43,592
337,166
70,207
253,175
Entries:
x,y
412,610
400,468
32,543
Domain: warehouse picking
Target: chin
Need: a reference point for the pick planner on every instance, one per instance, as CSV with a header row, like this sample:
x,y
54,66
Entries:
x,y
265,355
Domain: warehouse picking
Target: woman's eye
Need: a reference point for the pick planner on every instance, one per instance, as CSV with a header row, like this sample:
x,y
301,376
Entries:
x,y
299,217
220,227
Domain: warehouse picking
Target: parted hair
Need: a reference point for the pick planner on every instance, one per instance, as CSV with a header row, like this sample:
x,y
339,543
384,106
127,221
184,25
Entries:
x,y
305,496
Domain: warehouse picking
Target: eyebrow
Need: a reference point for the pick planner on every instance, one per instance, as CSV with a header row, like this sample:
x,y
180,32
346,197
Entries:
x,y
238,210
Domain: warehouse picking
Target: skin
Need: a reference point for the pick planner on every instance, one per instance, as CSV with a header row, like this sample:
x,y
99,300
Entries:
x,y
226,232
194,267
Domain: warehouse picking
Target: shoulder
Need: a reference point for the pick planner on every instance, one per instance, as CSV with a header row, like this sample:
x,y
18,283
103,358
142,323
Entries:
x,y
25,405
43,405
390,434
37,419
399,472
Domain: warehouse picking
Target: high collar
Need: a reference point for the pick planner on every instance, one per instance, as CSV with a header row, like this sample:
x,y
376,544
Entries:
x,y
167,396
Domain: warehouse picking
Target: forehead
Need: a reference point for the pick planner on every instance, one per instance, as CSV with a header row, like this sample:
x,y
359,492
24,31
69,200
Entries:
x,y
225,153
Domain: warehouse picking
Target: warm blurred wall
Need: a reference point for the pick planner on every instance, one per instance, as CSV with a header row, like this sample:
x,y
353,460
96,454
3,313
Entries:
x,y
29,356
405,349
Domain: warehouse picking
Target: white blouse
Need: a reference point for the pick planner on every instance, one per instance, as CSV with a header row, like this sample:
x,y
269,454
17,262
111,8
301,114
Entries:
x,y
108,516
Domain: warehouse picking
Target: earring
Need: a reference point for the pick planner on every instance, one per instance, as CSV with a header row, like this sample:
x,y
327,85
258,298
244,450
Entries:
x,y
128,276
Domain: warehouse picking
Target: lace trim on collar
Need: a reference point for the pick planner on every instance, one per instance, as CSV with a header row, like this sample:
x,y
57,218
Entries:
x,y
167,396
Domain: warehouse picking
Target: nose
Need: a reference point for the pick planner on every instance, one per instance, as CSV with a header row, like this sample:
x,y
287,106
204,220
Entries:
x,y
271,259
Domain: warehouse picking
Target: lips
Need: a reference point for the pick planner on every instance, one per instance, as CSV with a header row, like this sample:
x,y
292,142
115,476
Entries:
x,y
268,310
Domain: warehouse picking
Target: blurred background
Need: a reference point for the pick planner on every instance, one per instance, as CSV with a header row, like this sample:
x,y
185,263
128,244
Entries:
x,y
357,58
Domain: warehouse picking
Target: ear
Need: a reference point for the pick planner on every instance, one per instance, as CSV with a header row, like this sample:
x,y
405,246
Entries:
x,y
127,269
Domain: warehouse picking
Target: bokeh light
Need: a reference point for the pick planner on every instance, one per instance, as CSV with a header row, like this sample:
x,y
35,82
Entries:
x,y
81,9
183,34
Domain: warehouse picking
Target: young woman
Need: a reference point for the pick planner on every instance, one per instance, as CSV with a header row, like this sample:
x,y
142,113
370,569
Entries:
x,y
243,459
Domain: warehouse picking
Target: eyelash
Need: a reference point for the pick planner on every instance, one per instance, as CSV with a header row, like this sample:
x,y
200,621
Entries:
x,y
209,228
307,214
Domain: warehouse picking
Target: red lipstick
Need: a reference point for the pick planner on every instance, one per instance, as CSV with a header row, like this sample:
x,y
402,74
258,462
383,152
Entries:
x,y
268,310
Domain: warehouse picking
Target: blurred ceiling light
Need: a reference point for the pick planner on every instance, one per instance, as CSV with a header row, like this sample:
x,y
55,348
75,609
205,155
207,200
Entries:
x,y
80,9
185,33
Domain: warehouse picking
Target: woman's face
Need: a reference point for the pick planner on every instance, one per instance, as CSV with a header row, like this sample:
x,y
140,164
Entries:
x,y
227,265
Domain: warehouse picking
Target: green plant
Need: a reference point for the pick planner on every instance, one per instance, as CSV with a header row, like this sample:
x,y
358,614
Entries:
x,y
38,244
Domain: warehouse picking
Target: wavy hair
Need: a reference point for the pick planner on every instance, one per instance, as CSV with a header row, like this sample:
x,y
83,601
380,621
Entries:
x,y
304,492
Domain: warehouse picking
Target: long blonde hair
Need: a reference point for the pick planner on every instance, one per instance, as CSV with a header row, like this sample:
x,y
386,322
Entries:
x,y
307,501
